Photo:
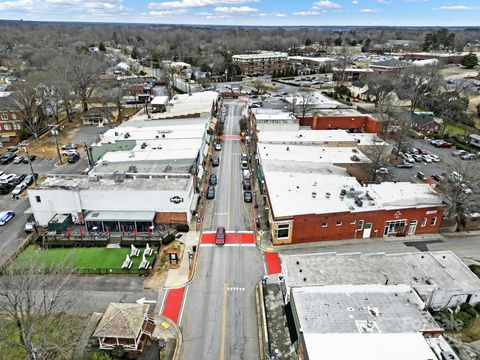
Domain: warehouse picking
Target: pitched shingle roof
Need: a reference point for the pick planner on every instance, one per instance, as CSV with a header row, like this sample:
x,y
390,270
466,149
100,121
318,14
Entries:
x,y
121,320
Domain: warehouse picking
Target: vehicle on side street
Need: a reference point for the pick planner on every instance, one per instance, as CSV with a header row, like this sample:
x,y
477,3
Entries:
x,y
439,143
244,157
405,165
213,180
215,161
244,164
73,158
220,236
218,147
247,197
5,216
468,156
210,193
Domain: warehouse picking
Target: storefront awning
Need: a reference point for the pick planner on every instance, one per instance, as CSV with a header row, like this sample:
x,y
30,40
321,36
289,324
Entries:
x,y
121,216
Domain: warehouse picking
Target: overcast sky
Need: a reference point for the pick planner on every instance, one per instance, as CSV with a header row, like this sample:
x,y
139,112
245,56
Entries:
x,y
251,12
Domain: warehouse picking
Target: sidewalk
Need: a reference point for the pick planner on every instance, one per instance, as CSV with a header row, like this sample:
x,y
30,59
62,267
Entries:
x,y
180,276
168,331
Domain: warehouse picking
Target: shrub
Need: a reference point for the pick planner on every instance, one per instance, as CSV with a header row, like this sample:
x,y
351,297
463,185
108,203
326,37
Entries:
x,y
477,307
475,269
118,352
471,312
465,307
464,317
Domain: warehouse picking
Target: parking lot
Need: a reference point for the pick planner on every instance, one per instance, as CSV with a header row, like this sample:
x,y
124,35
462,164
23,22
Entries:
x,y
447,163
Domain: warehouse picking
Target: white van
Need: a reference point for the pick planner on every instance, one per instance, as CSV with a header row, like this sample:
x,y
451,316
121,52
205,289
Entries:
x,y
246,174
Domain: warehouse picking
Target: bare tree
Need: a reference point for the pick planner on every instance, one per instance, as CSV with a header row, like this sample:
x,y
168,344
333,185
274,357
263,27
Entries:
x,y
380,86
167,77
302,102
379,155
260,86
109,96
27,101
416,82
34,297
83,74
400,130
343,60
459,197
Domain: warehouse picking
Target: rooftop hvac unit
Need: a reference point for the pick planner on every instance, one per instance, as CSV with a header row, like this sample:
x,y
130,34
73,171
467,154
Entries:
x,y
93,178
119,177
132,169
314,194
327,195
358,202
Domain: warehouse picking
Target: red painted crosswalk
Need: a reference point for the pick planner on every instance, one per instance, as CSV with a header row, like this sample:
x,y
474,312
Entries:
x,y
273,263
173,304
230,238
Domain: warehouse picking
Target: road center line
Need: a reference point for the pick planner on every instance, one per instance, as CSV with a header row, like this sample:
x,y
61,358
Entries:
x,y
224,322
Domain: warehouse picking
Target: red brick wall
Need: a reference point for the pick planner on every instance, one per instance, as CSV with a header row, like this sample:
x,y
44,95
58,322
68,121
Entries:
x,y
366,123
308,228
171,217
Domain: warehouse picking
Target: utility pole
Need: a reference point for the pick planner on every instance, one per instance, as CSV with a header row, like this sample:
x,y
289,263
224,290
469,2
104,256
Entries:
x,y
54,132
25,148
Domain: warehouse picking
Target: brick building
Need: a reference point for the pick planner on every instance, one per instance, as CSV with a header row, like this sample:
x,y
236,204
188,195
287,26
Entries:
x,y
348,119
10,122
261,63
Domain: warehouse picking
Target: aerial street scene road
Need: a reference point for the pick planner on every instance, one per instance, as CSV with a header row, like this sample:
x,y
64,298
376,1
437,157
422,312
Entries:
x,y
239,180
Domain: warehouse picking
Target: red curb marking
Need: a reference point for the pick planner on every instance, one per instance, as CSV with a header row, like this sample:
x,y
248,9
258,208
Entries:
x,y
173,304
273,263
230,238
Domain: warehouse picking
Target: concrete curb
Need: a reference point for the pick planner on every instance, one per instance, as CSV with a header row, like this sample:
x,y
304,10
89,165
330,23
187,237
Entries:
x,y
178,346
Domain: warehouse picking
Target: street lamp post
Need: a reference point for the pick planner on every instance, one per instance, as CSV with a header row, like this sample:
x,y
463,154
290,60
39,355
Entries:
x,y
25,148
54,132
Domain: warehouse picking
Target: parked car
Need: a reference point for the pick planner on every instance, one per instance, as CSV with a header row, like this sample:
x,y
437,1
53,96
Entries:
x,y
73,158
408,158
29,179
405,165
220,236
17,179
70,152
213,180
5,188
438,178
246,184
244,157
12,149
435,158
7,178
30,226
218,147
32,157
247,197
443,144
418,158
459,152
18,160
5,216
7,158
19,188
427,159
69,146
215,161
382,171
468,156
244,164
211,192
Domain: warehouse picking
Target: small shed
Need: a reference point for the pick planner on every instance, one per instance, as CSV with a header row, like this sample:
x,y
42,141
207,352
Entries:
x,y
60,222
97,117
125,325
159,103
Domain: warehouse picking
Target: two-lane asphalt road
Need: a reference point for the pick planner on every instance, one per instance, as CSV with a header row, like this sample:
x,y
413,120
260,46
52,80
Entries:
x,y
219,316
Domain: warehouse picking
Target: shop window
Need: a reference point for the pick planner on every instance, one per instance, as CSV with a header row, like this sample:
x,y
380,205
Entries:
x,y
424,222
283,231
360,225
433,221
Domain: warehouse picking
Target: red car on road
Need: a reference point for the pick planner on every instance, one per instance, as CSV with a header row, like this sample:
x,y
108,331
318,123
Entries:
x,y
220,236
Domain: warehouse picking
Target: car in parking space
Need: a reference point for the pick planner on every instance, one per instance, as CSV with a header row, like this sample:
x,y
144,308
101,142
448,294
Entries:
x,y
18,160
69,152
31,157
459,152
220,236
19,188
382,171
213,180
244,157
73,158
218,147
29,179
215,161
211,192
418,158
7,178
468,156
7,158
427,159
408,158
17,179
439,143
244,164
12,149
5,188
5,216
247,197
405,165
435,158
438,178
246,184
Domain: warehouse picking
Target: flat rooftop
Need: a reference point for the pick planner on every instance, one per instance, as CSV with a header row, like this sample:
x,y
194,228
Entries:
x,y
142,121
411,346
272,114
436,270
158,183
316,100
177,166
304,137
261,55
339,112
318,154
350,309
368,139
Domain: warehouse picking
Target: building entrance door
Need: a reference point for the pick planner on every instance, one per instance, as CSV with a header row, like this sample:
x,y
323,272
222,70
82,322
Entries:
x,y
367,230
413,227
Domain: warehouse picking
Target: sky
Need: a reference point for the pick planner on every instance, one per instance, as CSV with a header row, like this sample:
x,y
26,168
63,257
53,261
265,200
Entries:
x,y
250,12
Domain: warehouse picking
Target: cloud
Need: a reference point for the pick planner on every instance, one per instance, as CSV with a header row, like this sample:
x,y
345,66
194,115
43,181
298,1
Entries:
x,y
354,2
307,13
194,3
370,10
165,13
233,9
326,4
458,7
